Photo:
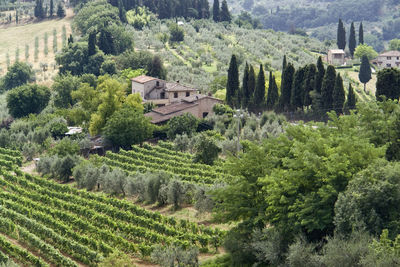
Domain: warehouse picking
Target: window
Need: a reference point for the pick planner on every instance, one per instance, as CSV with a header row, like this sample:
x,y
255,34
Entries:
x,y
205,114
187,93
162,95
388,58
388,65
397,58
157,83
175,95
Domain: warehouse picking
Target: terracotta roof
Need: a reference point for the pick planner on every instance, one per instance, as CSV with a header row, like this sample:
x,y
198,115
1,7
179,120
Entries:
x,y
143,79
167,112
390,54
196,97
337,51
177,87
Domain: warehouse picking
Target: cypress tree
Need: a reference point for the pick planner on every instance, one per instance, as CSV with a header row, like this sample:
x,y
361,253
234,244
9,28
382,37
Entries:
x,y
284,64
286,87
309,84
122,12
92,44
297,94
387,83
225,15
60,10
365,71
361,34
328,85
341,35
232,85
251,84
16,17
351,99
70,39
319,75
51,9
338,95
272,95
216,10
245,88
259,93
352,40
106,43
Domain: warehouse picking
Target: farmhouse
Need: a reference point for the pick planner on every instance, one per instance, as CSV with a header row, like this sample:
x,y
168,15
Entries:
x,y
199,106
388,59
336,57
160,92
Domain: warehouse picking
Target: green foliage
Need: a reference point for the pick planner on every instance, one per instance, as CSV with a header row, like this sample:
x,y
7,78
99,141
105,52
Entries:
x,y
297,94
207,149
127,127
394,44
286,88
259,93
64,85
156,68
18,74
186,123
60,10
177,33
365,50
341,35
338,95
352,40
328,85
117,259
216,11
361,34
27,99
225,15
65,147
351,99
139,17
273,95
232,85
365,71
387,84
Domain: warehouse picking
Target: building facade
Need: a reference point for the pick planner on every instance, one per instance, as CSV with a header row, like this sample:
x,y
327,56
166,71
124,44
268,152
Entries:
x,y
336,57
388,60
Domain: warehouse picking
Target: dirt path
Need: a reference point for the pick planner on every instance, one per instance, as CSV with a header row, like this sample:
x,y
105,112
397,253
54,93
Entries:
x,y
30,168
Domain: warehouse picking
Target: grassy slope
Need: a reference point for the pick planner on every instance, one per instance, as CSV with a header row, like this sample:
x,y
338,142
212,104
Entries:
x,y
14,37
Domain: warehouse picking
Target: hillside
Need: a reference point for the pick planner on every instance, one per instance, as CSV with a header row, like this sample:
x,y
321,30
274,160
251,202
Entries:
x,y
319,18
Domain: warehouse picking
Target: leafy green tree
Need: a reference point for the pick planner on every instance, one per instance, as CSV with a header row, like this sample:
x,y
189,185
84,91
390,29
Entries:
x,y
216,11
245,96
297,94
232,85
92,44
18,74
156,68
127,127
365,50
122,12
273,95
60,10
328,85
207,149
225,15
365,71
361,34
338,95
176,33
106,42
371,201
65,147
319,75
352,39
63,86
341,35
259,93
186,123
108,67
27,99
394,44
387,84
286,88
351,99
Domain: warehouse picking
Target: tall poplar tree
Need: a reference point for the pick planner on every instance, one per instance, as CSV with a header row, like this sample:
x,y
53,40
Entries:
x,y
319,75
338,95
351,99
216,11
286,88
225,15
251,84
327,88
272,95
341,35
361,34
297,94
245,99
232,85
352,40
259,93
365,71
